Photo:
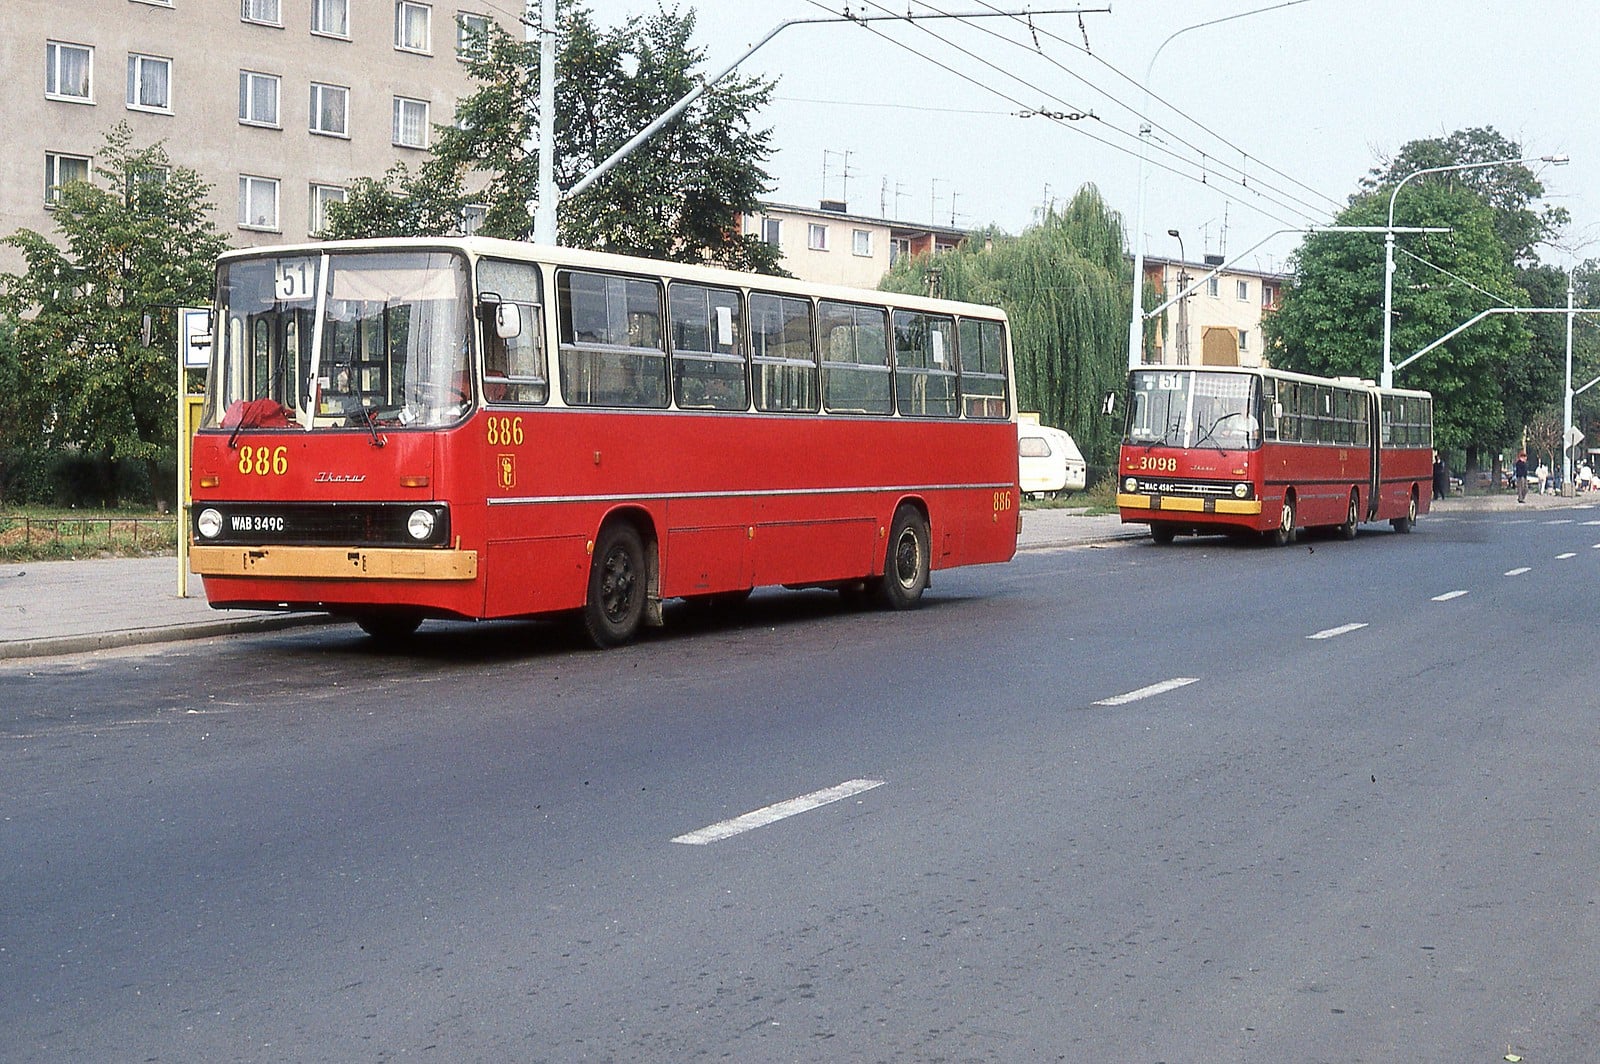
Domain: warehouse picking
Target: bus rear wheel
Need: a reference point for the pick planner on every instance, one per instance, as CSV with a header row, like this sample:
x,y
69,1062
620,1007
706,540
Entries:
x,y
906,562
618,583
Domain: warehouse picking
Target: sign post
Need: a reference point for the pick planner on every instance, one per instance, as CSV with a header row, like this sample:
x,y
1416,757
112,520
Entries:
x,y
194,353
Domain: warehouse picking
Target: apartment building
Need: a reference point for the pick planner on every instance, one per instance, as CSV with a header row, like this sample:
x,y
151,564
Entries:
x,y
278,104
828,245
1220,323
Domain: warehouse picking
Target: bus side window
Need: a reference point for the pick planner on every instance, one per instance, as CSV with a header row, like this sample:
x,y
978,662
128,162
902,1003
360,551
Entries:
x,y
855,358
611,351
982,364
514,367
783,359
707,348
924,364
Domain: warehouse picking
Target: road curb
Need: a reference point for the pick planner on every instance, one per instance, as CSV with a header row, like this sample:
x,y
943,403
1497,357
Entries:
x,y
57,646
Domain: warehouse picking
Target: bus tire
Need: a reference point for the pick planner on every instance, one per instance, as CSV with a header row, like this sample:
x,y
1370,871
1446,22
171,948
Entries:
x,y
1409,521
1284,534
1162,533
906,561
618,585
389,627
1352,518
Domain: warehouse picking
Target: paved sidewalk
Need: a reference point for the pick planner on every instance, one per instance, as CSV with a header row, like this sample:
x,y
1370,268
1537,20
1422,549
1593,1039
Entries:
x,y
70,607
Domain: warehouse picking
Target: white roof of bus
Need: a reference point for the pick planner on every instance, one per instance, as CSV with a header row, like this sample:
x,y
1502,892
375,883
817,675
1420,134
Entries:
x,y
1288,375
597,260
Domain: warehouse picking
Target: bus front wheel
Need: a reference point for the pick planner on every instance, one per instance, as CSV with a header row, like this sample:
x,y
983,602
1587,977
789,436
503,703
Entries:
x,y
618,584
1409,521
389,627
906,562
1283,535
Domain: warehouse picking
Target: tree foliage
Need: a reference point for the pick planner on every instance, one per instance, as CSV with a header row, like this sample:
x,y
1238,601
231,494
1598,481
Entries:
x,y
139,240
677,197
1064,284
1489,380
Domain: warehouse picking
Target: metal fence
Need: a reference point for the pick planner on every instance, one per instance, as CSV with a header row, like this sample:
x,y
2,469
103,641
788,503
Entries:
x,y
85,533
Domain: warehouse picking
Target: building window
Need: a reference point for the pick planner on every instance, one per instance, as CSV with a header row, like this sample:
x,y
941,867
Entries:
x,y
1244,291
1268,294
771,230
899,247
67,70
1244,337
817,236
149,83
473,216
60,169
330,110
861,242
258,98
412,26
321,196
1214,288
258,203
410,123
472,35
263,11
330,17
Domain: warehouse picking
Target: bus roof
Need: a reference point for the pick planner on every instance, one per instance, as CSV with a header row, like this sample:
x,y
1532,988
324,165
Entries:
x,y
598,260
1289,375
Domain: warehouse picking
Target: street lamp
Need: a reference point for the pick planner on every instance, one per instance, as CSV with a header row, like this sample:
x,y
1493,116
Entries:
x,y
1388,244
1183,301
1136,319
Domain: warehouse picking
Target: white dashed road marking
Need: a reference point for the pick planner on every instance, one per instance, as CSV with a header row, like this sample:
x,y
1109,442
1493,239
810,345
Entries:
x,y
1146,692
760,818
1343,629
1564,557
1523,569
1448,595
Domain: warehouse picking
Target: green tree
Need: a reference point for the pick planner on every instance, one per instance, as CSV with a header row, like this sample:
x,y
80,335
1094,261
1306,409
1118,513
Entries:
x,y
677,197
139,240
1331,318
1064,284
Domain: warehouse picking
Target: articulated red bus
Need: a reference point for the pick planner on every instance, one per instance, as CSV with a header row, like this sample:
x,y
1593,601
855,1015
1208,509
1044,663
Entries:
x,y
471,428
1259,450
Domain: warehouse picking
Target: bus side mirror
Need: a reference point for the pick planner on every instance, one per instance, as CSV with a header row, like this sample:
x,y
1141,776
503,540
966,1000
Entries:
x,y
507,320
1108,405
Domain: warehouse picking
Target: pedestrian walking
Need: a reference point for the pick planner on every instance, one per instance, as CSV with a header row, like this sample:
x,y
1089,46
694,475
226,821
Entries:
x,y
1520,473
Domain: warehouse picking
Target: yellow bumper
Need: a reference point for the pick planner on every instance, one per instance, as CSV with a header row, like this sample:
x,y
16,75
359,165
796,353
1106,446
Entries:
x,y
335,563
1189,504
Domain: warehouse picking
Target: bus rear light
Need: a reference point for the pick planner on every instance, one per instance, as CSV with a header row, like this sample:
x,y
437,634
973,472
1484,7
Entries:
x,y
413,482
210,480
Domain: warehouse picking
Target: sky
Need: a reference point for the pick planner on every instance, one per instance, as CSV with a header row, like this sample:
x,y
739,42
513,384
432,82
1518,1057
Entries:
x,y
1263,122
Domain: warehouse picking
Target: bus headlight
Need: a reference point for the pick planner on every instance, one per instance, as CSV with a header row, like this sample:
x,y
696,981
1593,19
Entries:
x,y
209,523
1241,491
420,524
1131,484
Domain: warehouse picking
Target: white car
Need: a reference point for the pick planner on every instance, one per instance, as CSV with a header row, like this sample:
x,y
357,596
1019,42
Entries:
x,y
1048,461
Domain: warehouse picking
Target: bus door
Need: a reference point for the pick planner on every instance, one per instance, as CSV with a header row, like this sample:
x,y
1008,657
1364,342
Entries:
x,y
1375,454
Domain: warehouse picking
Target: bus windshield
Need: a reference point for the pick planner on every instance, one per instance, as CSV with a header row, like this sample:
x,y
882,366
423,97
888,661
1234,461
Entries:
x,y
340,341
1193,408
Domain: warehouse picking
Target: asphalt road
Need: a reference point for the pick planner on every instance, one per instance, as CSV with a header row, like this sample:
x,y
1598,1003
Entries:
x,y
1113,804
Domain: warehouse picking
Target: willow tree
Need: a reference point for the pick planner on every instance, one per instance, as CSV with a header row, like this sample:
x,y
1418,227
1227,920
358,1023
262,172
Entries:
x,y
1064,285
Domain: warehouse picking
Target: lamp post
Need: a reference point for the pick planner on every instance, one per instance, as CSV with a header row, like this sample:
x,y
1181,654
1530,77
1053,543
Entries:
x,y
1136,318
1183,301
1388,244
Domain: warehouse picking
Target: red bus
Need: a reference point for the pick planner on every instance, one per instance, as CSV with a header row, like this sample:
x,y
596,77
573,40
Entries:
x,y
1230,450
469,428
